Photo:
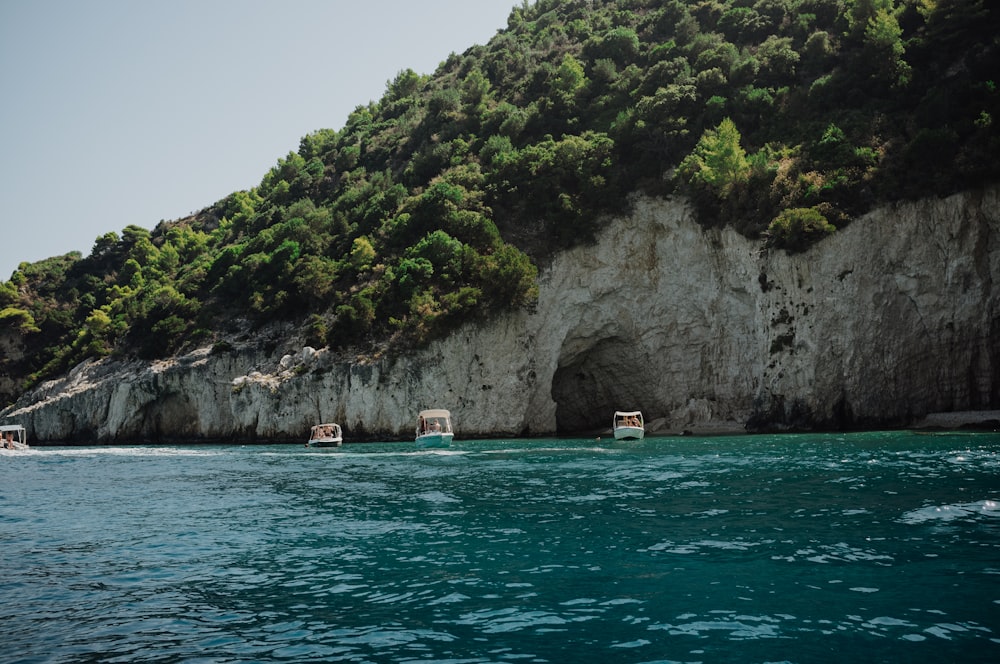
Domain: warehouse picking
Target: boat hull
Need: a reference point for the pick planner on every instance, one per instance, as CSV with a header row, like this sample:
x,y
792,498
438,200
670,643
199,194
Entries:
x,y
629,433
326,442
327,434
432,440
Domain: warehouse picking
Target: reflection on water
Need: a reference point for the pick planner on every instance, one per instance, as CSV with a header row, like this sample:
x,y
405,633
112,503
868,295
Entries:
x,y
876,547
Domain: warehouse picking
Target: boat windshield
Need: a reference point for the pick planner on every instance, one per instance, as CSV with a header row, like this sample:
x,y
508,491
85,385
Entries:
x,y
11,434
435,425
628,419
324,431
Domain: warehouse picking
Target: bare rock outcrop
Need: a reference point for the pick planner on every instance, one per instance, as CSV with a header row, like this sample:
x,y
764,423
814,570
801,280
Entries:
x,y
886,321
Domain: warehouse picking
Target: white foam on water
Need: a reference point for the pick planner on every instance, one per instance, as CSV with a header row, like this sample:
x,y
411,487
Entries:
x,y
495,621
834,553
589,498
130,451
436,497
945,513
698,546
706,513
739,627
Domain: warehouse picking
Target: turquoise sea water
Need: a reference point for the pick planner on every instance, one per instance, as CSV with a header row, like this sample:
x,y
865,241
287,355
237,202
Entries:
x,y
869,547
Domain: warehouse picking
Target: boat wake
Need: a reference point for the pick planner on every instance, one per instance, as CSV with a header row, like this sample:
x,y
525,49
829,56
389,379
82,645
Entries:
x,y
116,452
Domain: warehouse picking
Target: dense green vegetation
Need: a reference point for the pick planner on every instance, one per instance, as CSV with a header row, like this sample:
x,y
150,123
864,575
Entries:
x,y
783,118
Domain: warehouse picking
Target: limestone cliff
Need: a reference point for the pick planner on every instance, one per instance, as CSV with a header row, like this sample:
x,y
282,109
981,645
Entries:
x,y
888,320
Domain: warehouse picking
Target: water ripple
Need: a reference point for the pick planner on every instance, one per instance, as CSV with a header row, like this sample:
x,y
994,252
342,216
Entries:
x,y
879,547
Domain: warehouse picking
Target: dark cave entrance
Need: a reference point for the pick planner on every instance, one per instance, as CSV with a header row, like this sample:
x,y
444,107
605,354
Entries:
x,y
589,386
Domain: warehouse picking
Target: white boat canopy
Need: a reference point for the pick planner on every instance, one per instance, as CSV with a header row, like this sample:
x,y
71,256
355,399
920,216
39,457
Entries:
x,y
434,419
20,435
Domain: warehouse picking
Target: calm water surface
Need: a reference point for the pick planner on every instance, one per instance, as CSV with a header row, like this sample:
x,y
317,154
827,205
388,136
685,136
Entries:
x,y
875,547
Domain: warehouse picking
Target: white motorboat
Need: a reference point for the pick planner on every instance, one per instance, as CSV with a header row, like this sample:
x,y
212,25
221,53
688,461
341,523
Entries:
x,y
628,425
13,437
434,428
325,435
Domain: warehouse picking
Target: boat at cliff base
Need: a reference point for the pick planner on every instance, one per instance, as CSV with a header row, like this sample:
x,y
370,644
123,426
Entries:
x,y
13,437
325,435
628,425
434,428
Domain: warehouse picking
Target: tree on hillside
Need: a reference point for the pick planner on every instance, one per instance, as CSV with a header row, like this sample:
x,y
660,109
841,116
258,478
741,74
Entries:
x,y
718,161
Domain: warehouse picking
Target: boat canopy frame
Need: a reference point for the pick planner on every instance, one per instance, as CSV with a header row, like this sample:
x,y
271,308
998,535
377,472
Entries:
x,y
434,414
19,430
620,416
334,427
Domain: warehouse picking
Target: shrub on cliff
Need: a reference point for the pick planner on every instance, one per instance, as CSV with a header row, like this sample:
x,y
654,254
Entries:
x,y
17,319
796,229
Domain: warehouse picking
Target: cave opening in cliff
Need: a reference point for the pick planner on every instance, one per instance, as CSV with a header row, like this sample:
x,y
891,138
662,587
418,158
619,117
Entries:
x,y
590,384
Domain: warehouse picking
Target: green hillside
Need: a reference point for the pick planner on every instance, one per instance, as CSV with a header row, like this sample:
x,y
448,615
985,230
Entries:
x,y
785,119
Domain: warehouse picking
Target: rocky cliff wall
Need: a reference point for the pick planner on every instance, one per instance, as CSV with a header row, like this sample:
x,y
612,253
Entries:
x,y
892,318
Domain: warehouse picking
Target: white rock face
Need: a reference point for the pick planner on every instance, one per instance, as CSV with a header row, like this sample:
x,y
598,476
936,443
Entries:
x,y
886,321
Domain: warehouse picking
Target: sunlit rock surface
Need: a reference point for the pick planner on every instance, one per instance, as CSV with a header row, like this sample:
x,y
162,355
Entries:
x,y
888,320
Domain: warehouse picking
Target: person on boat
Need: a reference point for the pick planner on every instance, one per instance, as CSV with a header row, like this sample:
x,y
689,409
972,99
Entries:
x,y
9,442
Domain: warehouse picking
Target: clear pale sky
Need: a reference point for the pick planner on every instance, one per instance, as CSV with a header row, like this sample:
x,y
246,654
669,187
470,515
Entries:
x,y
118,112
